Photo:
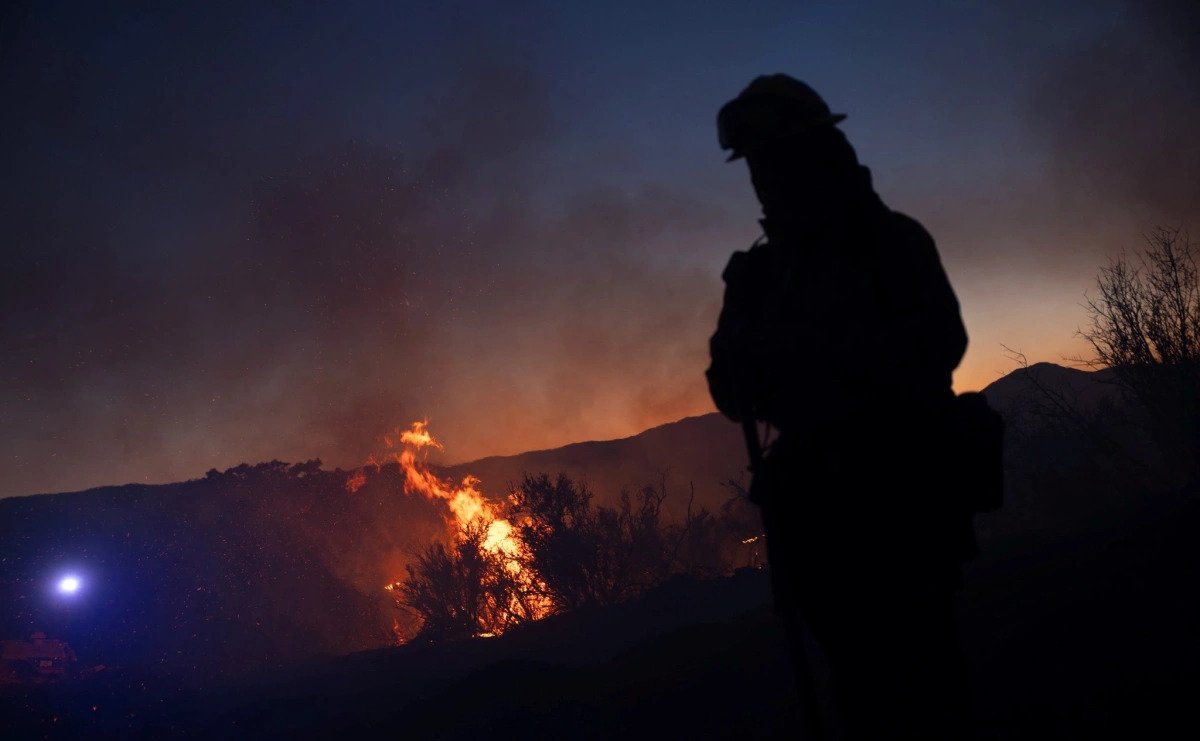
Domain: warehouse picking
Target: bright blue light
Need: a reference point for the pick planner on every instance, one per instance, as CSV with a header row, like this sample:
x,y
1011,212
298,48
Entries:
x,y
69,584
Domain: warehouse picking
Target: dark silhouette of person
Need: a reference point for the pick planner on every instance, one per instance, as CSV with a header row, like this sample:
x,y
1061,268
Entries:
x,y
841,330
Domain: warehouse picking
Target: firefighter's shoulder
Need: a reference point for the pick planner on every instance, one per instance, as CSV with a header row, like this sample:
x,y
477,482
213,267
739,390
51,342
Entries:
x,y
743,264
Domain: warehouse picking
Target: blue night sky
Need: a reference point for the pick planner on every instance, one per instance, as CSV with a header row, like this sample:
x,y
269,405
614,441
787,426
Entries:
x,y
235,232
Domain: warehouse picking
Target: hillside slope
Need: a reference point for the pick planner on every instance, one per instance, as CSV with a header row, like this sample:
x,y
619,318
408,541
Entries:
x,y
268,564
262,565
700,452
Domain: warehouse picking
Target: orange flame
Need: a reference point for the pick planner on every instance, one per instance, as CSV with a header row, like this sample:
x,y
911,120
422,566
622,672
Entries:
x,y
398,633
418,436
356,480
468,508
466,503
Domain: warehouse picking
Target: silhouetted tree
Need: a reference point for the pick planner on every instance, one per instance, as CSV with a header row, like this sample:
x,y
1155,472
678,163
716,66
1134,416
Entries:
x,y
1145,326
741,524
699,545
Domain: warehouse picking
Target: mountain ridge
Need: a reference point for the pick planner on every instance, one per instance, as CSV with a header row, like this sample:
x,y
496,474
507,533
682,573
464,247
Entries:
x,y
1005,393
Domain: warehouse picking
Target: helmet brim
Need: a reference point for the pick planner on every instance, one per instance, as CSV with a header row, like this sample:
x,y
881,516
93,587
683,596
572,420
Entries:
x,y
831,120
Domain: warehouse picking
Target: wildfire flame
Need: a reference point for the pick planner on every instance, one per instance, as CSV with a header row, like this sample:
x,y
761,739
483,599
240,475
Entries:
x,y
356,481
468,508
419,436
465,500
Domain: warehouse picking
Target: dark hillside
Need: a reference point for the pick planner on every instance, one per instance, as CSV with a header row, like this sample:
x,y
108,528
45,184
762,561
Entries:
x,y
249,568
1017,392
268,564
703,451
1091,635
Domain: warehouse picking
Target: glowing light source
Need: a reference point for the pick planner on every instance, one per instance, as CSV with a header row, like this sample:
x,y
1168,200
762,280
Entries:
x,y
69,584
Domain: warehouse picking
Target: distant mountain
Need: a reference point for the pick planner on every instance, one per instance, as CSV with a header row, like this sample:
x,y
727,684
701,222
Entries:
x,y
708,450
1029,390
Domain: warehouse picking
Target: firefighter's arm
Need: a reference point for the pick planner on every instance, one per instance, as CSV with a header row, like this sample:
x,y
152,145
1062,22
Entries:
x,y
728,345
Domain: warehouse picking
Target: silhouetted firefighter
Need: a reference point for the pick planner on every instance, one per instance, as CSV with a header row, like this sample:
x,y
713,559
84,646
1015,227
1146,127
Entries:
x,y
840,331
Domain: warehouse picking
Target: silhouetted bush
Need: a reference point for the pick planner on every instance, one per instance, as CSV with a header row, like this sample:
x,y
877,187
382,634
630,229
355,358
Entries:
x,y
1145,326
569,554
458,591
586,555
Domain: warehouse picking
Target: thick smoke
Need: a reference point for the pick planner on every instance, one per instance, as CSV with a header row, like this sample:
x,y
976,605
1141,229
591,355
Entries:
x,y
166,308
1120,112
246,234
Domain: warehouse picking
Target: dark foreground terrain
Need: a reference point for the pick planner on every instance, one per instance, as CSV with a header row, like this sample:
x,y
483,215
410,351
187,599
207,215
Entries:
x,y
264,565
1085,630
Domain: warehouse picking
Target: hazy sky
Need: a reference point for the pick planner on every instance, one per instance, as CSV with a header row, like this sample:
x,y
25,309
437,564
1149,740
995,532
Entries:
x,y
234,234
